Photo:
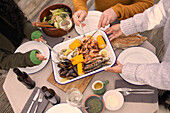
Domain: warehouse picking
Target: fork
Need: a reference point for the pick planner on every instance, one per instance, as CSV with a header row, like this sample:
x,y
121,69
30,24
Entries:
x,y
125,93
81,26
40,98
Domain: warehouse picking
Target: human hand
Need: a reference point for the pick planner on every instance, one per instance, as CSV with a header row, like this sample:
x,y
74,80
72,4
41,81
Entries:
x,y
107,17
40,39
40,56
81,16
115,30
115,69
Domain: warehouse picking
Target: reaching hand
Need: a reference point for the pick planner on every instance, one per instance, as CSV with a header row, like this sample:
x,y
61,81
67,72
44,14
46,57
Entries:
x,y
115,31
107,17
81,15
40,39
40,56
115,69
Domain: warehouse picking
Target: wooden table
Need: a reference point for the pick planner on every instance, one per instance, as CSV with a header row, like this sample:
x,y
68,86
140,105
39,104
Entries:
x,y
18,94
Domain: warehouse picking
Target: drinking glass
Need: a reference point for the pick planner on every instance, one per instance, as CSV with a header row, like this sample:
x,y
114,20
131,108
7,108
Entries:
x,y
74,97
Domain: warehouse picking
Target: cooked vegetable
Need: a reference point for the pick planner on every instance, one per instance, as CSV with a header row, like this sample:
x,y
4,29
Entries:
x,y
75,44
57,16
101,42
77,59
80,69
104,53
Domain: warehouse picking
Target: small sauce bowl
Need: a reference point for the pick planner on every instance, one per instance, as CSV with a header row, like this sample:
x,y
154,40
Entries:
x,y
113,99
94,102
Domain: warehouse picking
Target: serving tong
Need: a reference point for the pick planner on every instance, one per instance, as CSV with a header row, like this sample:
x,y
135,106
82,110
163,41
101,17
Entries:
x,y
58,56
81,26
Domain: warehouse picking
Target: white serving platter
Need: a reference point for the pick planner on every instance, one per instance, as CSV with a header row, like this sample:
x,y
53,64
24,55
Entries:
x,y
66,44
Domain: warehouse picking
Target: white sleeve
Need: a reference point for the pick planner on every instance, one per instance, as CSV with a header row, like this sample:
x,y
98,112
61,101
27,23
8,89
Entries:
x,y
151,18
156,74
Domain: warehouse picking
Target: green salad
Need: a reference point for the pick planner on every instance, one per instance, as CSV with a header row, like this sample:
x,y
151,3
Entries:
x,y
57,16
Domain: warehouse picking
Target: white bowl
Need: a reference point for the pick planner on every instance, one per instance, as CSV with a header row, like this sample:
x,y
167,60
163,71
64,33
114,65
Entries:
x,y
113,100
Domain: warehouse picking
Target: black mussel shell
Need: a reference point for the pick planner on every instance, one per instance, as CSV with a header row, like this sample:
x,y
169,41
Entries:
x,y
63,74
61,65
73,75
67,61
61,69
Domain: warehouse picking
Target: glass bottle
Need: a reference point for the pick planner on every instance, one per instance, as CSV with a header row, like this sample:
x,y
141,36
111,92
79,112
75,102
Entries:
x,y
24,78
51,95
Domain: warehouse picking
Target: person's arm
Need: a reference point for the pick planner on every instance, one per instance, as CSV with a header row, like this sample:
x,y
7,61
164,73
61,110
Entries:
x,y
32,32
151,18
27,59
156,75
80,5
127,11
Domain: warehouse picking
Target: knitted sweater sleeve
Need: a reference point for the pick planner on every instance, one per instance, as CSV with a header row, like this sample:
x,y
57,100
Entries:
x,y
127,11
151,18
80,5
155,74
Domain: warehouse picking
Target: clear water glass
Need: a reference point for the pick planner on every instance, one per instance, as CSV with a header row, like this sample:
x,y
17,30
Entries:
x,y
74,97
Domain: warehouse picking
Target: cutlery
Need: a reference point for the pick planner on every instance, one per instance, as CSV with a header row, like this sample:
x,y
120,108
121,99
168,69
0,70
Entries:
x,y
52,50
34,99
129,89
125,93
40,98
91,36
81,27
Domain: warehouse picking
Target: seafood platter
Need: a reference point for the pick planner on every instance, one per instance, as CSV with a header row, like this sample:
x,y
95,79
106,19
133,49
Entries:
x,y
82,56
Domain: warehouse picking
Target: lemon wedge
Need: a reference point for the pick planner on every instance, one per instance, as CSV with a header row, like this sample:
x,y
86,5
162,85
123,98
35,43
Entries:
x,y
64,80
104,53
68,51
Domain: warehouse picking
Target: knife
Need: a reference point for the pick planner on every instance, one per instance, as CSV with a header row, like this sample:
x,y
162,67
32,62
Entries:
x,y
34,99
129,89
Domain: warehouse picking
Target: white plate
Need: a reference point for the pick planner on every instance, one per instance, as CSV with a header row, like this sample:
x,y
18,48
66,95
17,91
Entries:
x,y
65,45
31,45
91,22
63,108
137,55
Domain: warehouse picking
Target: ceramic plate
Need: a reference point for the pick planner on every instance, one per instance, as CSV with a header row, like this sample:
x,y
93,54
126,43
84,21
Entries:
x,y
65,45
91,22
28,46
138,55
63,108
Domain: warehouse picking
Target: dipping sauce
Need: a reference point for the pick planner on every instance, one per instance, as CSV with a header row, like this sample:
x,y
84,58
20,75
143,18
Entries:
x,y
98,85
112,101
95,105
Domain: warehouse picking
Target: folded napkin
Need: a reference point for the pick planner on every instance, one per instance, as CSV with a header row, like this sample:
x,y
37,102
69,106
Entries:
x,y
41,106
146,98
52,41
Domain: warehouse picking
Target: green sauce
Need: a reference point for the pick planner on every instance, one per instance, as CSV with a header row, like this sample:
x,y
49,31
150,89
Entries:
x,y
95,105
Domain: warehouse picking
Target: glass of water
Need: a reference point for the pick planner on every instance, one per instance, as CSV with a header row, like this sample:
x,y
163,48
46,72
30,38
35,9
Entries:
x,y
74,97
